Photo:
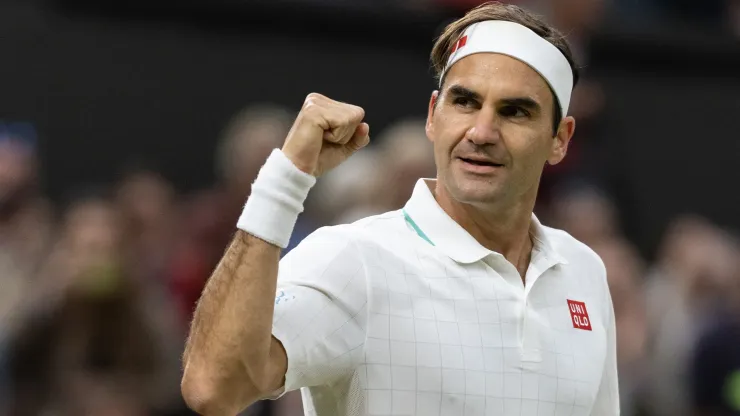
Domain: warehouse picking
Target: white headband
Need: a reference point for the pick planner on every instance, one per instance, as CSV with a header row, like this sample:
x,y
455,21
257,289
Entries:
x,y
517,41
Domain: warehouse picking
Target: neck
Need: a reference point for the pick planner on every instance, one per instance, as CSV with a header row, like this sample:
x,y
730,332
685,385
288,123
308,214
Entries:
x,y
503,228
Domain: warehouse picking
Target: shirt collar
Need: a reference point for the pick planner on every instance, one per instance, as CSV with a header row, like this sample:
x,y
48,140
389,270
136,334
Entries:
x,y
432,223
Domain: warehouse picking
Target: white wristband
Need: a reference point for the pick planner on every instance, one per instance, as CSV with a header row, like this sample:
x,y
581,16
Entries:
x,y
276,200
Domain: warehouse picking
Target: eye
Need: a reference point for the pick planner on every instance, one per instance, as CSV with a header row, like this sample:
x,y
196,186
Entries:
x,y
513,111
463,102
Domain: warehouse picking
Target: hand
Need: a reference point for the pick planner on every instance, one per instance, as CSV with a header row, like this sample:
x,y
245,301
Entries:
x,y
325,134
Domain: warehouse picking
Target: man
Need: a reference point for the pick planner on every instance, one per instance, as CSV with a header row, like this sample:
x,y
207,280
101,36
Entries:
x,y
461,303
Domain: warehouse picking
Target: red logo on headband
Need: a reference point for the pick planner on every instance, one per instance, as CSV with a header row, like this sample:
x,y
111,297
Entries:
x,y
459,44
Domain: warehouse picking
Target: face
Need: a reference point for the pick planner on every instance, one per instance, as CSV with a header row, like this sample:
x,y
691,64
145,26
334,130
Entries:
x,y
93,231
146,199
491,126
250,149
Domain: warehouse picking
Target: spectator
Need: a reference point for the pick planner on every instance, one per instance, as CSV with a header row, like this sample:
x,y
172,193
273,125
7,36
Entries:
x,y
351,190
407,155
586,212
625,272
714,366
97,335
690,276
147,204
358,188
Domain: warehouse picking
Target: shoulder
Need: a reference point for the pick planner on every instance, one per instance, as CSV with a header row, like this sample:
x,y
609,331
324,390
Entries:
x,y
585,271
347,243
578,255
368,231
331,257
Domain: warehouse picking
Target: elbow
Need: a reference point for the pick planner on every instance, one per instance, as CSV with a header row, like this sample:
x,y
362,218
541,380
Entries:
x,y
211,395
203,396
200,396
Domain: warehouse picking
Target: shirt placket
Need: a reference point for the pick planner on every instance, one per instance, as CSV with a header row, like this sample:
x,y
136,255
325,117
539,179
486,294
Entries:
x,y
529,344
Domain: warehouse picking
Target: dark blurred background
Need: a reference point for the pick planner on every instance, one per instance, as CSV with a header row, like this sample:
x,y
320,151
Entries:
x,y
130,132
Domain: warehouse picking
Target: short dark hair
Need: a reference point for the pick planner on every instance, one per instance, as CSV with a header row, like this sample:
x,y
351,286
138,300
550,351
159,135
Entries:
x,y
495,10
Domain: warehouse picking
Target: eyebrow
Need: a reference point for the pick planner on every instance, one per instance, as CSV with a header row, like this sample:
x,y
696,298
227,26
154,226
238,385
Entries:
x,y
457,91
524,102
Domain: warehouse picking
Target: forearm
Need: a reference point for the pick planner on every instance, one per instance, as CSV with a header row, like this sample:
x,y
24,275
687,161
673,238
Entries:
x,y
229,343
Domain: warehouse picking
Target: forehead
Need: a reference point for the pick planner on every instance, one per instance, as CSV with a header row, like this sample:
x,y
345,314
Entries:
x,y
499,74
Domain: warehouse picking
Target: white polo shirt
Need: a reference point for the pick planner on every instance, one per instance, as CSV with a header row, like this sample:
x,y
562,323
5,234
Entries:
x,y
405,313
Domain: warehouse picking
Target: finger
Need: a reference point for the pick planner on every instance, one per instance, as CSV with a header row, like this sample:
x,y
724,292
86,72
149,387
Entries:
x,y
360,138
354,115
330,136
340,135
315,98
343,120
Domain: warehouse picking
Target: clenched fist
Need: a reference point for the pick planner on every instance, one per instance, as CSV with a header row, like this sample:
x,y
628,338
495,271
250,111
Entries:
x,y
325,134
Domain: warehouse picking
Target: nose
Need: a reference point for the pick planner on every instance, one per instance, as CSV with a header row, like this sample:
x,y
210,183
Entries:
x,y
486,130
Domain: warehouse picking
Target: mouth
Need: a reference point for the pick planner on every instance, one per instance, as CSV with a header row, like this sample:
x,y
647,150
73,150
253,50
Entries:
x,y
481,163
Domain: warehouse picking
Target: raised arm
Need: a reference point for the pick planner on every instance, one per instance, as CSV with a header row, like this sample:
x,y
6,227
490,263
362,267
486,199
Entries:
x,y
231,359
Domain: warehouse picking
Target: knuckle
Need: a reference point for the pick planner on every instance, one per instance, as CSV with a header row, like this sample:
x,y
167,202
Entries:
x,y
314,96
356,113
353,113
308,107
360,112
309,103
311,108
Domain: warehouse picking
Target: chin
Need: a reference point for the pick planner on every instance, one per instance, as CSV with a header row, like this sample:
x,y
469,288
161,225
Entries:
x,y
472,191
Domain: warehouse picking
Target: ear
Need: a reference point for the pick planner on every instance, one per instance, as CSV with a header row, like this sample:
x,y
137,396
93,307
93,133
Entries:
x,y
430,114
561,140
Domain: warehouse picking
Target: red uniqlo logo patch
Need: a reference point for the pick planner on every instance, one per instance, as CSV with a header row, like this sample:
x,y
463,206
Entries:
x,y
579,315
459,44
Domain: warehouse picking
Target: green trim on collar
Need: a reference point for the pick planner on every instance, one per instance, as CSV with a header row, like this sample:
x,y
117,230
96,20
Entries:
x,y
416,227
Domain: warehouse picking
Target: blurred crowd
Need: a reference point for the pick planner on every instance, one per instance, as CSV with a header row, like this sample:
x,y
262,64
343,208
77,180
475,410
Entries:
x,y
97,290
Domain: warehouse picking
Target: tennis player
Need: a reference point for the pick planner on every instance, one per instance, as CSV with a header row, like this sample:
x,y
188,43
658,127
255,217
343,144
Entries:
x,y
460,303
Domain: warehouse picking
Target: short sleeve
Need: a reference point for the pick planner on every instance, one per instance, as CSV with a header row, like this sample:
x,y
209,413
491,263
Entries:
x,y
320,308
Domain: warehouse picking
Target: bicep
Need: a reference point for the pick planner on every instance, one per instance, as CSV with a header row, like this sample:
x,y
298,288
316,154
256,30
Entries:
x,y
322,332
319,312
